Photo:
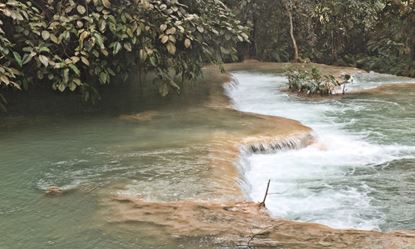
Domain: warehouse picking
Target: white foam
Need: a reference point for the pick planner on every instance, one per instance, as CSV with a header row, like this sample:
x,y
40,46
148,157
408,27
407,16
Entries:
x,y
312,184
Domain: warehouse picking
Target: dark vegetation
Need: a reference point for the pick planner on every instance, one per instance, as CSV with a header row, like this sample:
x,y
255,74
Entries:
x,y
371,34
81,46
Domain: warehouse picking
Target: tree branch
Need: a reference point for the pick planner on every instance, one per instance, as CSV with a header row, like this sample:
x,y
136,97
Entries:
x,y
262,204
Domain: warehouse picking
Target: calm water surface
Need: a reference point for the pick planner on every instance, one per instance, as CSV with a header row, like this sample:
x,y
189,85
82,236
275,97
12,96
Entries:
x,y
87,156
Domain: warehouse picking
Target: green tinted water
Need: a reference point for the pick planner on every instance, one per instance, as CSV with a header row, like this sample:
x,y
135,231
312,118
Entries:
x,y
163,159
157,159
387,118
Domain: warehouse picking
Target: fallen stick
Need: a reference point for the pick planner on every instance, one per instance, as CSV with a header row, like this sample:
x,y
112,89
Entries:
x,y
262,204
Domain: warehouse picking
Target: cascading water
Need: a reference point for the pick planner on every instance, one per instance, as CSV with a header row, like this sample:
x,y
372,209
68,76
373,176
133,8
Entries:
x,y
354,175
296,142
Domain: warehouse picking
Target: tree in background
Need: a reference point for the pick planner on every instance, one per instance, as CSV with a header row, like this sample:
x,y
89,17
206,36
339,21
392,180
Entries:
x,y
373,34
289,6
390,43
81,45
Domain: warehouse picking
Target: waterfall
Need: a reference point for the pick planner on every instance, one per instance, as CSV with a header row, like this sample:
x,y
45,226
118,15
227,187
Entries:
x,y
273,146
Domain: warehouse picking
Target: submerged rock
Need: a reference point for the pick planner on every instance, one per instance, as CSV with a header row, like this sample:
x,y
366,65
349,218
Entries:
x,y
54,190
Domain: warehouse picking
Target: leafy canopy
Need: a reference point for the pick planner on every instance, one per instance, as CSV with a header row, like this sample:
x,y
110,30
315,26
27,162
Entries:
x,y
78,45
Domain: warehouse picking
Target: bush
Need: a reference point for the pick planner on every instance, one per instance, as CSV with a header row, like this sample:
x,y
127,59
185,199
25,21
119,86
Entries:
x,y
311,82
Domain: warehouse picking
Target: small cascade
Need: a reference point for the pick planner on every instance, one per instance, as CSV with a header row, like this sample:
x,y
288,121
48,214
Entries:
x,y
232,84
272,146
268,147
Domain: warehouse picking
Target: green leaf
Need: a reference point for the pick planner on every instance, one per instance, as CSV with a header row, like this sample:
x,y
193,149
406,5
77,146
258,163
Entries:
x,y
171,48
72,86
172,38
82,37
103,77
75,59
54,39
104,52
27,58
163,27
127,46
77,82
106,3
85,60
164,39
100,40
18,58
65,75
4,79
61,87
143,55
75,69
44,60
102,25
200,29
171,31
81,9
153,61
245,36
187,43
44,49
45,35
117,47
79,24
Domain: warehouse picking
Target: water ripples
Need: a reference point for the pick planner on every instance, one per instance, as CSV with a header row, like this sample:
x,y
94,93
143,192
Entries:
x,y
363,143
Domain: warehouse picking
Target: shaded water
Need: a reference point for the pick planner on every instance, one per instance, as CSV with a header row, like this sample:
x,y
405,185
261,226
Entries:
x,y
359,174
84,156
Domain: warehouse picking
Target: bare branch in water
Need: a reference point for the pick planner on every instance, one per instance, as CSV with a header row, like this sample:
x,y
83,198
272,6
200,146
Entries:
x,y
262,204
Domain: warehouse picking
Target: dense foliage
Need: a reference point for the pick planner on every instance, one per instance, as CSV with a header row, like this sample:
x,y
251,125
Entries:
x,y
311,82
78,45
373,34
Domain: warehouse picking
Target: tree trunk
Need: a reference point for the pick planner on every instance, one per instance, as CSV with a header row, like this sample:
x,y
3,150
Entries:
x,y
412,39
333,47
254,50
294,41
140,79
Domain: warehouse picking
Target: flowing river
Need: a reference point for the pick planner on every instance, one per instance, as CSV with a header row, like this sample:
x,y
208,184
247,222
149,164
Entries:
x,y
359,174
